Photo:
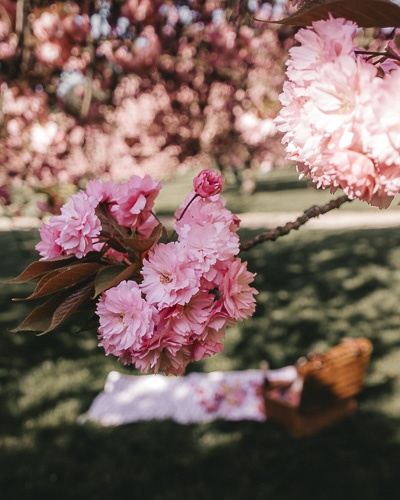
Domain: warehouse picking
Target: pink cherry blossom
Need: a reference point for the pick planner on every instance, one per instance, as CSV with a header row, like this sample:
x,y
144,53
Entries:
x,y
381,128
237,296
136,200
174,361
47,247
168,276
164,350
208,183
49,53
211,341
322,43
126,320
103,191
177,308
339,119
337,35
335,95
208,230
189,319
78,225
390,64
356,174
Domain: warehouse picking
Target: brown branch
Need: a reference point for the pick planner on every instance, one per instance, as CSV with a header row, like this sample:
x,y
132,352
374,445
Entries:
x,y
310,213
19,22
388,54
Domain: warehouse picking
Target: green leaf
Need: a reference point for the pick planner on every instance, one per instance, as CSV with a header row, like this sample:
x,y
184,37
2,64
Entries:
x,y
41,267
112,276
366,13
60,279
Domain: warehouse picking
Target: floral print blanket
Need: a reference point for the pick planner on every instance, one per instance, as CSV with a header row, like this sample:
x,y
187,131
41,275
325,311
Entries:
x,y
195,398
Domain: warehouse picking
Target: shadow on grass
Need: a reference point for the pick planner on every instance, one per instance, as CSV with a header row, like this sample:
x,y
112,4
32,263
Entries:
x,y
314,289
356,459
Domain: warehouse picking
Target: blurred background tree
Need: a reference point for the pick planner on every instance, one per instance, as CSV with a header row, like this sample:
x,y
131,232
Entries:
x,y
101,88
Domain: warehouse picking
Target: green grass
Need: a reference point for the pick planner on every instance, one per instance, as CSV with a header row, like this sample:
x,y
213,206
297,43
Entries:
x,y
314,289
276,191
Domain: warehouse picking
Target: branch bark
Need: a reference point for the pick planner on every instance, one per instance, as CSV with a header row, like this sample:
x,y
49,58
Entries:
x,y
310,213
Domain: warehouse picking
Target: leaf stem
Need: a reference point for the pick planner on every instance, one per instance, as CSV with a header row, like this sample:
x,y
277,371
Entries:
x,y
187,206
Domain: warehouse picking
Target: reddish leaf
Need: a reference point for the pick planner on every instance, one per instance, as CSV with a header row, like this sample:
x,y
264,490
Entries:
x,y
112,276
108,222
116,245
105,277
41,267
70,305
366,13
54,311
66,277
40,318
142,245
157,231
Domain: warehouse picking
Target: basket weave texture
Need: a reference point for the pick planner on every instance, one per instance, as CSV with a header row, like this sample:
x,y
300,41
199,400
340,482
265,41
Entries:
x,y
335,375
329,383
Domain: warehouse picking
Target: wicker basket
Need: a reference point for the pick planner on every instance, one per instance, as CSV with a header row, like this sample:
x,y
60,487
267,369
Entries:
x,y
328,383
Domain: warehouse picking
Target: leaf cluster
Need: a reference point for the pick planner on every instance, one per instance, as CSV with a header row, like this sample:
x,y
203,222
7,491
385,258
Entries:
x,y
69,285
366,13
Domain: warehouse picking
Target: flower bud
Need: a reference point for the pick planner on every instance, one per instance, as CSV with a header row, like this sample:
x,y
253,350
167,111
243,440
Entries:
x,y
208,183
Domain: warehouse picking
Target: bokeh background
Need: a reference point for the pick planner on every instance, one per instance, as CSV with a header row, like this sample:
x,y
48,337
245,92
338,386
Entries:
x,y
109,89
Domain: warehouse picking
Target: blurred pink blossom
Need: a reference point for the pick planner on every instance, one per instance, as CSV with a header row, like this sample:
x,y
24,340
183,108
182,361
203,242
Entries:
x,y
43,136
339,117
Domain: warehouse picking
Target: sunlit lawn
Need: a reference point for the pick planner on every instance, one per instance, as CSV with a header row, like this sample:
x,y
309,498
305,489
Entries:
x,y
314,289
274,193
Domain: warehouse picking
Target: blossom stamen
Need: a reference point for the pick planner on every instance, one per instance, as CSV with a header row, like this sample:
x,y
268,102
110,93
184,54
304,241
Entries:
x,y
165,278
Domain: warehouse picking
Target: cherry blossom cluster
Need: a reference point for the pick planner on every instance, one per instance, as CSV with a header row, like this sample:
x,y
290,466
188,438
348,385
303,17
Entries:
x,y
104,88
340,114
183,292
78,229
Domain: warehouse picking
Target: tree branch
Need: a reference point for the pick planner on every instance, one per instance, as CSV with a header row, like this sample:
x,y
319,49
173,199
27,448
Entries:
x,y
310,213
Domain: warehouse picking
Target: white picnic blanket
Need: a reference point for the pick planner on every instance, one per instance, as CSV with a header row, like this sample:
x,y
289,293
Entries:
x,y
195,398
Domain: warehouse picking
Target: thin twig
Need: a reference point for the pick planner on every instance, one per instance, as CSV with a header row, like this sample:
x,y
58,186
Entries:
x,y
19,22
310,213
389,54
187,206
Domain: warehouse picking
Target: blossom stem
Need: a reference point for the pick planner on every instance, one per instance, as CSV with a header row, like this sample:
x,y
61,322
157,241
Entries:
x,y
164,229
187,206
310,213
